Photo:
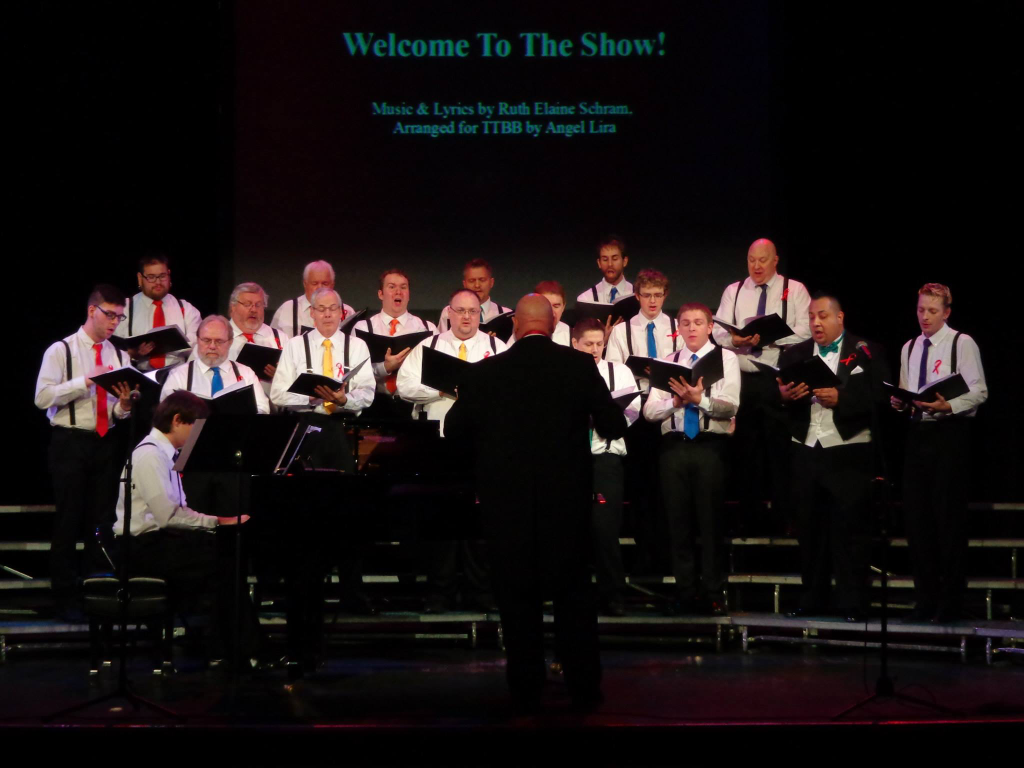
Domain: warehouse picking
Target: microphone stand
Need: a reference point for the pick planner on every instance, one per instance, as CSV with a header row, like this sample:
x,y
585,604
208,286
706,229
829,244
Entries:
x,y
124,597
882,504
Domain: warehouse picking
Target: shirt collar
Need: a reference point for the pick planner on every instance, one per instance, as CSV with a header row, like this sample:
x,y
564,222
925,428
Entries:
x,y
839,341
687,354
316,339
205,369
619,285
303,302
161,441
140,296
84,339
939,336
403,319
534,333
641,321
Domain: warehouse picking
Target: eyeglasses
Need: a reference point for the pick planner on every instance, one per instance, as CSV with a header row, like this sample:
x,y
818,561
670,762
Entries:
x,y
251,304
332,309
214,342
471,311
156,278
111,315
647,296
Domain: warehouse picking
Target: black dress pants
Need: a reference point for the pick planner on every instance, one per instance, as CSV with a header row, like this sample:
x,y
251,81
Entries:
x,y
830,498
692,481
198,566
84,469
605,525
936,474
762,452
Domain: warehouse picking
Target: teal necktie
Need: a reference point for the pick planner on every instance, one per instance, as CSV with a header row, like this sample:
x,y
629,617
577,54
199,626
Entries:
x,y
691,416
652,345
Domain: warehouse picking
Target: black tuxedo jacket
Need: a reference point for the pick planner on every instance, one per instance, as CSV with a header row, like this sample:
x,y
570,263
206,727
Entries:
x,y
523,418
859,393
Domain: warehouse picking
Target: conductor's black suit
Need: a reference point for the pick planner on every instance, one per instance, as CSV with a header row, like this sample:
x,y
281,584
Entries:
x,y
524,416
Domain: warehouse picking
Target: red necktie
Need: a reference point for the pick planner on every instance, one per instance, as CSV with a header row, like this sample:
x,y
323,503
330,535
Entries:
x,y
392,381
158,322
101,398
249,337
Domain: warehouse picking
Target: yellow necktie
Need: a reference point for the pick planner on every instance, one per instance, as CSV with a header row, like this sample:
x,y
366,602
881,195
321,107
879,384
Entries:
x,y
462,351
328,370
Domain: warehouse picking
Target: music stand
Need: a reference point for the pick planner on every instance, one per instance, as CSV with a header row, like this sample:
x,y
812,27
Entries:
x,y
241,445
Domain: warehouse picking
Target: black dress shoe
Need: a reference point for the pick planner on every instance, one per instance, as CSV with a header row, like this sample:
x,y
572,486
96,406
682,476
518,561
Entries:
x,y
614,607
805,613
688,606
922,612
358,603
437,604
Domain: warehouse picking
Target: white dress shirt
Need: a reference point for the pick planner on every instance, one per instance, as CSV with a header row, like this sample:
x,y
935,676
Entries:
x,y
822,428
381,325
282,319
141,308
562,335
410,386
56,386
624,380
489,310
202,380
718,404
666,343
158,500
622,288
746,309
940,358
293,362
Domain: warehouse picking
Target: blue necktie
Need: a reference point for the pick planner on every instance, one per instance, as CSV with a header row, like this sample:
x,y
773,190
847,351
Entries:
x,y
652,345
217,383
762,302
691,417
613,294
922,375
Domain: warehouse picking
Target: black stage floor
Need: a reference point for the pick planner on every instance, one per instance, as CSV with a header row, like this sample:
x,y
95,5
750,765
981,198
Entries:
x,y
415,705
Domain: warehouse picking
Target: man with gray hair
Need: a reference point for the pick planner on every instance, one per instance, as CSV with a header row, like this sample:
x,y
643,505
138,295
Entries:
x,y
246,308
293,317
211,370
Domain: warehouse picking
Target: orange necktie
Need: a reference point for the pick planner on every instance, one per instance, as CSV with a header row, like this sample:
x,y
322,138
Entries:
x,y
158,322
392,380
249,337
101,398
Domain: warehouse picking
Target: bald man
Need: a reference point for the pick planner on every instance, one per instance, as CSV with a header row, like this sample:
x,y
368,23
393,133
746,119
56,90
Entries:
x,y
536,516
759,462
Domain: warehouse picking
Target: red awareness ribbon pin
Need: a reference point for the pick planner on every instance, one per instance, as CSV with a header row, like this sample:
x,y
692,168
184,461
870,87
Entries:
x,y
937,364
849,360
341,369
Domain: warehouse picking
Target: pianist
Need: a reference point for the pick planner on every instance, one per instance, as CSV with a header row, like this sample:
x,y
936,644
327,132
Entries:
x,y
171,541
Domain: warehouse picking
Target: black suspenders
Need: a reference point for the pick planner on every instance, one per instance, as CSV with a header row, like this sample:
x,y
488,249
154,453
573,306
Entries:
x,y
629,335
71,405
67,365
309,358
593,290
295,325
611,388
785,300
131,313
277,338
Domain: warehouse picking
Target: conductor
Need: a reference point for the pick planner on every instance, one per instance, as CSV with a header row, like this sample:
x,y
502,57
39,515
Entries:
x,y
531,409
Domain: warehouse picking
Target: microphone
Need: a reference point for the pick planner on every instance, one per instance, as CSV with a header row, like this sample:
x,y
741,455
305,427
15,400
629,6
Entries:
x,y
135,395
863,347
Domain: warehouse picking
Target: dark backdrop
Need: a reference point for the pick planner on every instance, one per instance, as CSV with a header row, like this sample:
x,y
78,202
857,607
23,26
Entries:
x,y
877,147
